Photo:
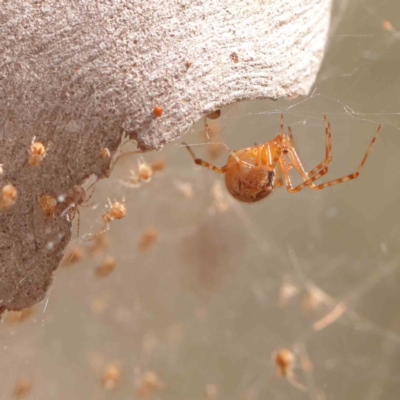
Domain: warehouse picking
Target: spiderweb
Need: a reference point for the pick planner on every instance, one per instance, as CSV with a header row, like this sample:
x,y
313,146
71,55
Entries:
x,y
206,289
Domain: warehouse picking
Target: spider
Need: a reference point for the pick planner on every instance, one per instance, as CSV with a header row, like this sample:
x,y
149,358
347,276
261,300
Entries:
x,y
284,361
251,174
74,198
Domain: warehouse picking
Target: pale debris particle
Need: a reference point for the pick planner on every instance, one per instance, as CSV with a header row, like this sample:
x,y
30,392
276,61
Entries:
x,y
106,267
111,376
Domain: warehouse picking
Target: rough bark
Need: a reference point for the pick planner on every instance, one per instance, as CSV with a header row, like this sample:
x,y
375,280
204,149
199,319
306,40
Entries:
x,y
77,74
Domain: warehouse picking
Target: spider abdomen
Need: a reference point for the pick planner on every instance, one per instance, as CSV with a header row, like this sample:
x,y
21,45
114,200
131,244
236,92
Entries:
x,y
249,184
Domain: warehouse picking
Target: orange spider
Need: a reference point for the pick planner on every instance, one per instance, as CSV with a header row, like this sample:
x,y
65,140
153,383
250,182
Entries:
x,y
285,361
251,174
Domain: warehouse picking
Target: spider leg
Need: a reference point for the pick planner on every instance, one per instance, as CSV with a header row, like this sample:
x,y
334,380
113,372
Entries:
x,y
328,148
281,128
276,158
90,237
354,175
278,177
65,212
88,205
290,146
307,183
272,162
264,153
91,186
129,153
203,163
90,196
207,129
258,162
296,160
293,380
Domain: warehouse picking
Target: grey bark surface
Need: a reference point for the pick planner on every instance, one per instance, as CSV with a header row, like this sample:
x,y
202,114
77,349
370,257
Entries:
x,y
77,75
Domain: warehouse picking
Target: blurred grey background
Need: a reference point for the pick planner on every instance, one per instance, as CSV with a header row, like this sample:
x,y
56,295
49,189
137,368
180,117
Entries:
x,y
224,285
